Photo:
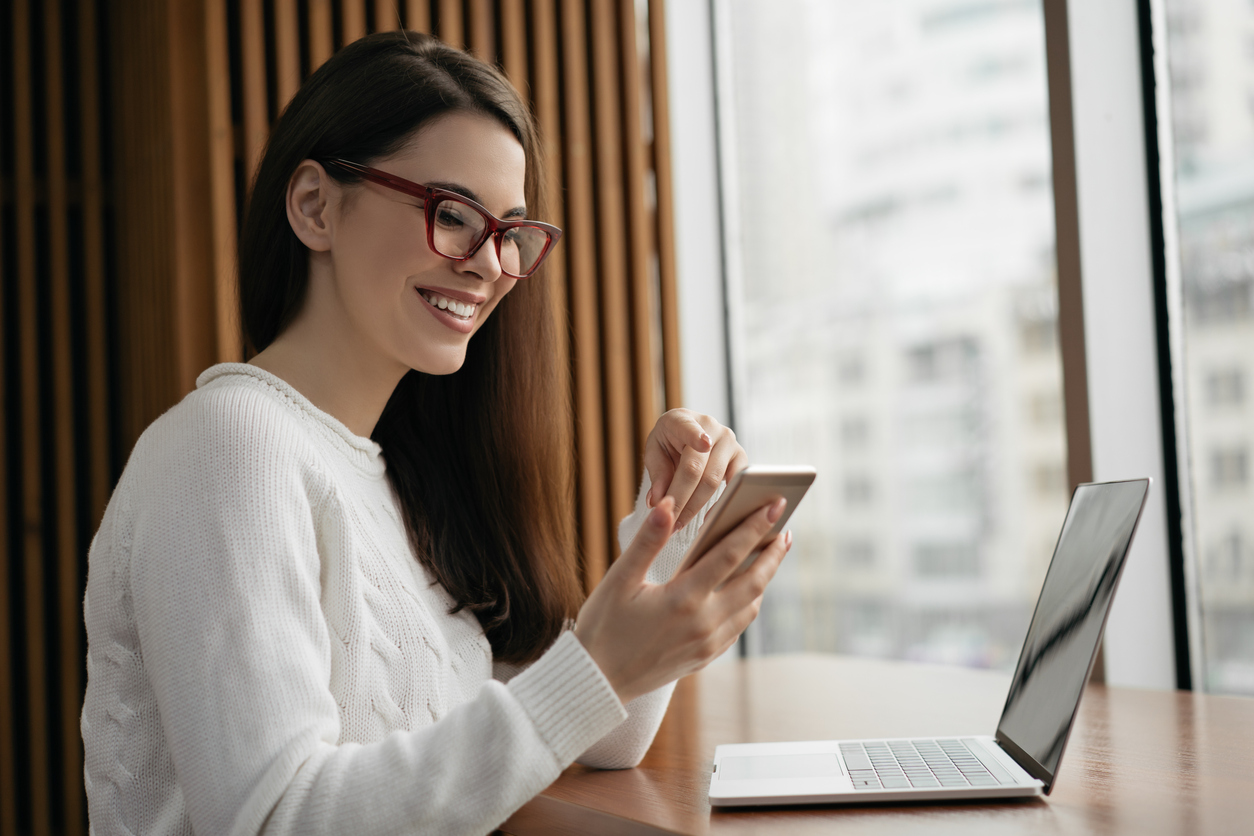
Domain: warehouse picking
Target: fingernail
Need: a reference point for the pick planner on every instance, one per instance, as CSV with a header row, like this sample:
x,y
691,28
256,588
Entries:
x,y
706,438
648,499
788,540
778,508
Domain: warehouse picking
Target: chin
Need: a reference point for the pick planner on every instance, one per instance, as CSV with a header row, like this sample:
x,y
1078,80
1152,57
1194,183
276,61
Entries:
x,y
440,363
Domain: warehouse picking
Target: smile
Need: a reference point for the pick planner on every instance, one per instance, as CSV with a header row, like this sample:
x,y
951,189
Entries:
x,y
461,310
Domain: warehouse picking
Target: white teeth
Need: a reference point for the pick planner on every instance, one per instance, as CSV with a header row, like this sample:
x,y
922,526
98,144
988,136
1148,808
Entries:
x,y
451,305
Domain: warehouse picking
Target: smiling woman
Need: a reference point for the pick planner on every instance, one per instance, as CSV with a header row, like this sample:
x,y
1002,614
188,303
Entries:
x,y
335,589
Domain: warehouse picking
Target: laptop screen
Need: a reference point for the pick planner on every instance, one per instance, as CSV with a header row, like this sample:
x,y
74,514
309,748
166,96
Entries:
x,y
1067,625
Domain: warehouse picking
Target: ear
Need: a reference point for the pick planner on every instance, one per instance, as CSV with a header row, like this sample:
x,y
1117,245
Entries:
x,y
310,195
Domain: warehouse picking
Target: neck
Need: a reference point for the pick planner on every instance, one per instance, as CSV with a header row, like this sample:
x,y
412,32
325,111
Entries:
x,y
320,360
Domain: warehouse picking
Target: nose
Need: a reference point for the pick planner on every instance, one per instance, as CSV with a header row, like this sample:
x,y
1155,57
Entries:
x,y
486,262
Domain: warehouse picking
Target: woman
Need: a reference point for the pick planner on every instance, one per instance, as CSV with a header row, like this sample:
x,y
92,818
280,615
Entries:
x,y
332,590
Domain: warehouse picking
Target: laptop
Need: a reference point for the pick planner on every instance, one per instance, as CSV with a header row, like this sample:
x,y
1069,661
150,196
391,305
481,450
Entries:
x,y
1022,757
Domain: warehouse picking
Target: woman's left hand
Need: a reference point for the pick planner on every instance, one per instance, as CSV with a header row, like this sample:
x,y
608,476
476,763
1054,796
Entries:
x,y
688,455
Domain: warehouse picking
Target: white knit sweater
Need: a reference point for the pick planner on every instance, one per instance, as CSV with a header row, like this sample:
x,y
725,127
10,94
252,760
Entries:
x,y
266,654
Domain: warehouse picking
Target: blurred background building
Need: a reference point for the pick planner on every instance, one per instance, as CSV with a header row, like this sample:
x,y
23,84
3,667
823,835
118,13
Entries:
x,y
898,317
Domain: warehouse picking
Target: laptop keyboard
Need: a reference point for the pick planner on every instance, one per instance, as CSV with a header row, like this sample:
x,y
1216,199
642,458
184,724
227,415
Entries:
x,y
930,764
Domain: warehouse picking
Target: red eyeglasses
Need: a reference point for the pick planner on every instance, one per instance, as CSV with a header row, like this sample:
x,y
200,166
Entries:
x,y
457,226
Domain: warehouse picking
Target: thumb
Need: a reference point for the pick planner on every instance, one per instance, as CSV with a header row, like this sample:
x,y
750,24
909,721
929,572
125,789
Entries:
x,y
636,559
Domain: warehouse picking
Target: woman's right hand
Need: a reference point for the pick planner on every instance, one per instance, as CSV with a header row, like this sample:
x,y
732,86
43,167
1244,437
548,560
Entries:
x,y
644,635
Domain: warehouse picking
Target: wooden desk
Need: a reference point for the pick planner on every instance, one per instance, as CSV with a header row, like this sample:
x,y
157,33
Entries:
x,y
1139,762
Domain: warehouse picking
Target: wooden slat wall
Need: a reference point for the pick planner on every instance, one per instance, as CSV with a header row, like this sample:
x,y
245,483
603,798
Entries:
x,y
57,464
32,467
118,272
68,593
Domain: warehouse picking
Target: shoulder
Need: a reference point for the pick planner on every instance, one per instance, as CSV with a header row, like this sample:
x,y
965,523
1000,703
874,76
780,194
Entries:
x,y
236,433
230,419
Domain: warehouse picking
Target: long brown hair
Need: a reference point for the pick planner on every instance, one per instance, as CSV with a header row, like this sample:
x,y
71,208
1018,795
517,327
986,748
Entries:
x,y
479,459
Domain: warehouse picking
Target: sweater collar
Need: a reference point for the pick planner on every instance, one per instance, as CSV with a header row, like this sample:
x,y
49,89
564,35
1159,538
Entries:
x,y
364,452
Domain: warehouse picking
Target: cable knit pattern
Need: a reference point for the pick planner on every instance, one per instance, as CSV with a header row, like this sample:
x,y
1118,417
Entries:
x,y
266,654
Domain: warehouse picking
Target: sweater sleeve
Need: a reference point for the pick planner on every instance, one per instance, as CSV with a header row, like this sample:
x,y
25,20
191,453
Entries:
x,y
226,592
626,745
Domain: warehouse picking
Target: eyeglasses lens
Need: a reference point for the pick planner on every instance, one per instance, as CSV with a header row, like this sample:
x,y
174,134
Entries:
x,y
459,227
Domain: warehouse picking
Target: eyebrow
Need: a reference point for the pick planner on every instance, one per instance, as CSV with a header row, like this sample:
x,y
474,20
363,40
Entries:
x,y
516,212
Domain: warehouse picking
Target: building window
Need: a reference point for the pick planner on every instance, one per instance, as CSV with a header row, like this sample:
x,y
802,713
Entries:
x,y
946,560
858,491
857,553
1229,467
1225,387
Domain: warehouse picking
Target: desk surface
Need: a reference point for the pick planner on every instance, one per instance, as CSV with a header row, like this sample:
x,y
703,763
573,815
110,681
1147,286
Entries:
x,y
1142,762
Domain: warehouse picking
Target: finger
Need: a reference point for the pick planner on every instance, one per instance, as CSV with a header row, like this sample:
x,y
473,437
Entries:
x,y
661,468
743,589
715,566
716,472
687,478
675,430
686,431
730,630
738,463
633,565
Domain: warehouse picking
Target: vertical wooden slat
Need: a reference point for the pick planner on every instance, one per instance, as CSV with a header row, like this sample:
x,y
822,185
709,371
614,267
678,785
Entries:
x,y
451,28
286,52
513,27
8,749
612,251
222,175
643,321
69,657
32,481
664,217
165,294
194,329
321,33
418,15
352,20
547,105
582,281
479,25
146,362
387,15
252,43
100,476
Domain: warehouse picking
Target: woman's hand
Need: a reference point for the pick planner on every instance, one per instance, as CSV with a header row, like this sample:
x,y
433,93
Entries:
x,y
688,456
645,635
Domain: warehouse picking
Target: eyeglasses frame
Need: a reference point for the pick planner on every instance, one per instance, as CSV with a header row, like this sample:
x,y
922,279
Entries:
x,y
431,196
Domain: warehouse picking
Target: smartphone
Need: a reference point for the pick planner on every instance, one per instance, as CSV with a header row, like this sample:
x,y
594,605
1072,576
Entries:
x,y
749,490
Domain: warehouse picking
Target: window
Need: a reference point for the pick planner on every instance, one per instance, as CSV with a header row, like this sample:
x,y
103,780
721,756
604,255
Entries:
x,y
887,182
857,553
1225,387
946,560
1228,468
1212,130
